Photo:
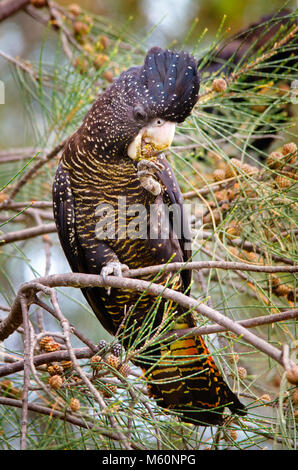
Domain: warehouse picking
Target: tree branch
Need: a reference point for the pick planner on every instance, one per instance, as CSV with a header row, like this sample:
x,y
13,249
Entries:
x,y
8,325
25,392
19,235
47,358
70,418
41,161
226,265
10,7
87,353
249,323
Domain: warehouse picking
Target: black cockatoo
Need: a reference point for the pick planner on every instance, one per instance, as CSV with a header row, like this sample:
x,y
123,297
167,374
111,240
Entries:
x,y
112,163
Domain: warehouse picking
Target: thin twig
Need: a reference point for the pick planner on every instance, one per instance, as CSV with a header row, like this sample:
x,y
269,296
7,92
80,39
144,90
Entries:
x,y
249,323
41,161
68,417
24,418
19,64
225,265
76,332
26,233
67,331
20,205
10,7
46,358
264,57
16,154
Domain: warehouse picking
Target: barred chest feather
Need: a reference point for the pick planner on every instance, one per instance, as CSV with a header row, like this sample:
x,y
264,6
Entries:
x,y
115,185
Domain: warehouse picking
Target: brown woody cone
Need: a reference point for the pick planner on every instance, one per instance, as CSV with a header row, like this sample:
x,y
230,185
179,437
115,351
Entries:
x,y
282,290
254,257
290,149
74,9
295,396
265,397
242,372
66,365
221,195
48,344
219,174
109,391
80,28
56,382
113,361
74,404
39,3
100,60
292,375
219,85
207,219
234,228
96,362
230,171
108,75
275,160
54,369
45,340
51,347
233,358
283,182
275,281
250,169
104,41
234,251
81,64
124,370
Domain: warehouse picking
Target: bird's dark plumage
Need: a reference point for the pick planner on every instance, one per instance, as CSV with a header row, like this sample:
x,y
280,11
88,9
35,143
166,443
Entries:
x,y
96,172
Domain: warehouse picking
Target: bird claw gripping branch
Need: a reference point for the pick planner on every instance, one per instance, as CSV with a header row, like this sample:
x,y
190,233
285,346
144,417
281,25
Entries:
x,y
113,268
97,170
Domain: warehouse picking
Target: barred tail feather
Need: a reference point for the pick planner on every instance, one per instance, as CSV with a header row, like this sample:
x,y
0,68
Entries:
x,y
186,380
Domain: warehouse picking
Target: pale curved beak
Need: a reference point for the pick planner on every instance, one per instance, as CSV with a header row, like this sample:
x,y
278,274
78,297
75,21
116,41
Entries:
x,y
158,138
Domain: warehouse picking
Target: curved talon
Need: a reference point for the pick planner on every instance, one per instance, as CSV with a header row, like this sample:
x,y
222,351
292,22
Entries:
x,y
159,166
147,165
145,173
113,268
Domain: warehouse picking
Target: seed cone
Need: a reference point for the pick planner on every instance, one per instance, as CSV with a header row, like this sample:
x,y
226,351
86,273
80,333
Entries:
x,y
292,375
74,404
219,85
56,382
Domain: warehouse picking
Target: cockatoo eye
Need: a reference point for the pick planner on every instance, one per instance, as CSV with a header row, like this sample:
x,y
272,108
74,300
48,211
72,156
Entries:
x,y
158,122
